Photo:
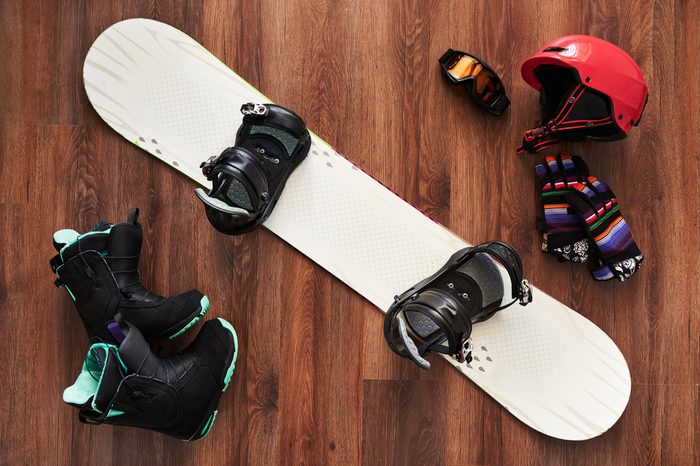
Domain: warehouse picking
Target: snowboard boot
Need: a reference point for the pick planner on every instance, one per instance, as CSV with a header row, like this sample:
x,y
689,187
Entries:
x,y
128,385
99,269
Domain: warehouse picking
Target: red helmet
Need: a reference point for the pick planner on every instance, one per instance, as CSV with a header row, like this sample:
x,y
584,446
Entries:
x,y
589,88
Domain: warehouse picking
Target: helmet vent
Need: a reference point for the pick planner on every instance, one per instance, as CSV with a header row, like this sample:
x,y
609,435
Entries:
x,y
554,49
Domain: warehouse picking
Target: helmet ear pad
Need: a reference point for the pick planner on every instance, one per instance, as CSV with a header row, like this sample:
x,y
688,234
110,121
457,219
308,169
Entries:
x,y
558,83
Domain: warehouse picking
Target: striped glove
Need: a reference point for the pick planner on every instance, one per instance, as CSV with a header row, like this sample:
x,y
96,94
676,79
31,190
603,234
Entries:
x,y
595,204
563,235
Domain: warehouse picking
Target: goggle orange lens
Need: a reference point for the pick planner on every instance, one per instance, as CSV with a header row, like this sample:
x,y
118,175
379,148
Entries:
x,y
464,67
485,83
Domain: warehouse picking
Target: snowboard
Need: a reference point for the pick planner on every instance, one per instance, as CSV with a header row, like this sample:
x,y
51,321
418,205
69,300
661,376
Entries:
x,y
550,367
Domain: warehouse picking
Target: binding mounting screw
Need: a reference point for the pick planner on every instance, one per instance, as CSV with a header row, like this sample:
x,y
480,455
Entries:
x,y
451,285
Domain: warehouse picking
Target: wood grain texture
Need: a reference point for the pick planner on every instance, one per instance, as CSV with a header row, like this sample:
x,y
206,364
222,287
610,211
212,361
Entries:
x,y
315,383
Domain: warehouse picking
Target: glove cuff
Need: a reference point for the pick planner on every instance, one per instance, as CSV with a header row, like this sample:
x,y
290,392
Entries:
x,y
622,270
567,251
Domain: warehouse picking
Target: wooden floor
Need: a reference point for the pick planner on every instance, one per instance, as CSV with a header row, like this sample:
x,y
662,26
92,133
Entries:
x,y
315,383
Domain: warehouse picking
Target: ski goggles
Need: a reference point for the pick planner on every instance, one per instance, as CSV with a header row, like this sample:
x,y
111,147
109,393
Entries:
x,y
483,84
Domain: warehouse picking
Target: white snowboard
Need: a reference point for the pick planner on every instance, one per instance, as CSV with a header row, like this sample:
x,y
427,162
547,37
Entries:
x,y
550,367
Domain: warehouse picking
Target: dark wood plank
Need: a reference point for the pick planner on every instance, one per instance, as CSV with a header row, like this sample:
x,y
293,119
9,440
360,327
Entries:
x,y
315,383
406,413
19,99
18,147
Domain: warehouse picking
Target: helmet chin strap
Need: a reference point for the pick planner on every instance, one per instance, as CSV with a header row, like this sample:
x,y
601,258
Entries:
x,y
563,126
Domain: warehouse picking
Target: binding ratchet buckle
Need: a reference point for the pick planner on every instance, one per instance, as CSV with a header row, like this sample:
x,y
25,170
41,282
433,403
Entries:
x,y
208,165
525,295
465,355
254,109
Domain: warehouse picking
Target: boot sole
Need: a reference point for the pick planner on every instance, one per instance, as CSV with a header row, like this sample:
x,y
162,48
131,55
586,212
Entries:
x,y
205,427
187,324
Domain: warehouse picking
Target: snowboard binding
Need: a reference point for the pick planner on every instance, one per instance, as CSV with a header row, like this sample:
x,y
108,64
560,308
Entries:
x,y
437,314
248,178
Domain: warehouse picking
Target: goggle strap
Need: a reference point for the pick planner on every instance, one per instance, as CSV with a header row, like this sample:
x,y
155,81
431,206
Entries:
x,y
446,57
500,104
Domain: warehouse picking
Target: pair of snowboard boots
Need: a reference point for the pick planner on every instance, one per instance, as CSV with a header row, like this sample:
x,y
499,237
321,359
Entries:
x,y
122,381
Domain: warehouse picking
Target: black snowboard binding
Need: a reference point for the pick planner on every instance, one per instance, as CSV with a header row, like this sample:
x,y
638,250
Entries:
x,y
99,269
437,314
248,178
128,385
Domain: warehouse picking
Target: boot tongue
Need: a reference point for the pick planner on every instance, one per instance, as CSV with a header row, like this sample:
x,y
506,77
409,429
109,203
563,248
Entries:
x,y
124,248
102,226
63,237
68,243
135,352
98,381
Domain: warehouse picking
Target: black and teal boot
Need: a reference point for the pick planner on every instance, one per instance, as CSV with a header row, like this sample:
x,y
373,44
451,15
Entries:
x,y
99,269
128,385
